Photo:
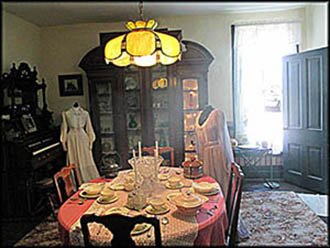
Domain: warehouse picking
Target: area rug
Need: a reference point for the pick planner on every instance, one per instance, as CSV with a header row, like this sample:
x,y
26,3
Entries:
x,y
280,218
273,218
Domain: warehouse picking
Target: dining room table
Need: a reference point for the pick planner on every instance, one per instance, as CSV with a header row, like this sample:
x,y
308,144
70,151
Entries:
x,y
206,228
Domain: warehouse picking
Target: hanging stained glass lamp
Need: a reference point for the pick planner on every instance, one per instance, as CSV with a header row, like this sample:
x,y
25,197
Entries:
x,y
142,46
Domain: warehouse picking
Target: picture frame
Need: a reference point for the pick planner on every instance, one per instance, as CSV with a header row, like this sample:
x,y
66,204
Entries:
x,y
28,123
70,85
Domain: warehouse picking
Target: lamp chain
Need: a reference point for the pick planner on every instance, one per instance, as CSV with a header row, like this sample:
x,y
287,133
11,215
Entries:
x,y
141,10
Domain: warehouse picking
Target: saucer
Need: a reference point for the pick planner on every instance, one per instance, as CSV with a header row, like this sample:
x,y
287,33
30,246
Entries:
x,y
117,186
214,192
178,186
107,199
85,195
117,210
153,211
163,177
172,195
140,228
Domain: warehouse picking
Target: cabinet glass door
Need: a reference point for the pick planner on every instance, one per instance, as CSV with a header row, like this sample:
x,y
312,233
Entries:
x,y
190,111
133,106
104,96
160,107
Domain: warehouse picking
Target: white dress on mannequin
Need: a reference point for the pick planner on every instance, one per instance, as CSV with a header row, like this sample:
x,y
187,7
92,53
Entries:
x,y
77,137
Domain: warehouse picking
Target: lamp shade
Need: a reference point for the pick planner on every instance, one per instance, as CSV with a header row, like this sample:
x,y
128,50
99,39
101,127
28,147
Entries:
x,y
142,46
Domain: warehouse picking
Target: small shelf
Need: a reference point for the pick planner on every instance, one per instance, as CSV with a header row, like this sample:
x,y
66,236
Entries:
x,y
106,113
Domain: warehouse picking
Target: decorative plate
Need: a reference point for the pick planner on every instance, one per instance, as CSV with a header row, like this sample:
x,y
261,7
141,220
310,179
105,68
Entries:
x,y
153,211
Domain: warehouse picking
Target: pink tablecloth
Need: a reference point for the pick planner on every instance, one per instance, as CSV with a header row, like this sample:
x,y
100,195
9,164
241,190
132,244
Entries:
x,y
211,228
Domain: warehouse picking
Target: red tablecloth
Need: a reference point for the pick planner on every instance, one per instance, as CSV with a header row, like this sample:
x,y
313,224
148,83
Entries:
x,y
211,228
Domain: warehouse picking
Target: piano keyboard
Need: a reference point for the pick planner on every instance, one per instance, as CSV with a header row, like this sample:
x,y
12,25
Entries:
x,y
45,148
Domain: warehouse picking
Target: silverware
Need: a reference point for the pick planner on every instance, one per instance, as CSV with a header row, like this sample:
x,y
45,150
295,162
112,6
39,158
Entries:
x,y
164,221
209,212
82,201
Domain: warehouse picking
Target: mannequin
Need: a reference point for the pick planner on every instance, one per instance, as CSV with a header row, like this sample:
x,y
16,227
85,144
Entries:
x,y
77,137
205,114
214,149
213,145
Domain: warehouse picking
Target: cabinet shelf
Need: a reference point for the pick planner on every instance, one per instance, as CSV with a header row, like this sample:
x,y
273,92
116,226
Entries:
x,y
104,135
192,90
104,95
191,109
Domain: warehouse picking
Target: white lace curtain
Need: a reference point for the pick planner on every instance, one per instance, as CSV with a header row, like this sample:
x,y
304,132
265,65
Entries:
x,y
259,50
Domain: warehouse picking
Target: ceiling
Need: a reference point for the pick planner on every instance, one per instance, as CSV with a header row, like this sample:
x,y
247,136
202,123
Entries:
x,y
52,13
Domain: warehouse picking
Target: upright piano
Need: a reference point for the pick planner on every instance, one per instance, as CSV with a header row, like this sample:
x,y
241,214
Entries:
x,y
33,159
30,146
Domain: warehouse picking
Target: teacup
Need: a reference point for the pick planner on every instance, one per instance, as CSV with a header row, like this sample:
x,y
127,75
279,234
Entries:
x,y
157,203
129,186
108,192
174,181
129,179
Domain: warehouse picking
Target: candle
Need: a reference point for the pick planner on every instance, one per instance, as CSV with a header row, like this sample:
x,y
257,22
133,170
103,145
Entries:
x,y
140,152
156,145
134,157
156,154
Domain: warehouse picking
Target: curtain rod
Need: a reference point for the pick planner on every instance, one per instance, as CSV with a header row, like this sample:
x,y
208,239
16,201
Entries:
x,y
265,23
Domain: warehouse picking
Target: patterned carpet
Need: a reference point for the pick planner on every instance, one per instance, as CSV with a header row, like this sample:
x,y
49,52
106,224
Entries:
x,y
273,218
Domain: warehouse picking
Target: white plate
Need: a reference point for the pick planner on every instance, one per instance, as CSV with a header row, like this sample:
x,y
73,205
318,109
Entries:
x,y
85,195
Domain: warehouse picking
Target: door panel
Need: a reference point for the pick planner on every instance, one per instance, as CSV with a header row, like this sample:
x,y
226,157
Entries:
x,y
305,101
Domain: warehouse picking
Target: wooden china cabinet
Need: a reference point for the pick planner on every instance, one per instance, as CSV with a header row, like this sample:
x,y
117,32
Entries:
x,y
131,104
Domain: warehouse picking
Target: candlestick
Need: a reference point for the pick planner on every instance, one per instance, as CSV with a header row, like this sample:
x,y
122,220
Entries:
x,y
140,152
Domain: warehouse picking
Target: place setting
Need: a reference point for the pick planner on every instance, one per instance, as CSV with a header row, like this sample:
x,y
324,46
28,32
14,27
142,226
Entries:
x,y
206,188
157,206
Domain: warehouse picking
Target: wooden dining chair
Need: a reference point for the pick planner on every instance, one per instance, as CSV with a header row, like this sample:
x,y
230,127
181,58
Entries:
x,y
64,184
120,227
233,202
161,150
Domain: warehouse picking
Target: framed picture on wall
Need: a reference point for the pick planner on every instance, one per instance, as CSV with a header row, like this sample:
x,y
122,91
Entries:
x,y
28,123
70,85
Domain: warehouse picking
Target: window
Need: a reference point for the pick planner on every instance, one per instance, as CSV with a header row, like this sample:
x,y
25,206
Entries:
x,y
257,80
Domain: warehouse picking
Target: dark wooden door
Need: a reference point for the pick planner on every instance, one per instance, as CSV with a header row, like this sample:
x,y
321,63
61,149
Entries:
x,y
305,101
